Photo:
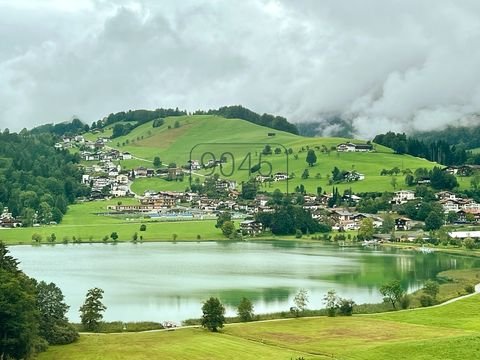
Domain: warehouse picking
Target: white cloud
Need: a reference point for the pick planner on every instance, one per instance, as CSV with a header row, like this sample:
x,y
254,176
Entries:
x,y
397,65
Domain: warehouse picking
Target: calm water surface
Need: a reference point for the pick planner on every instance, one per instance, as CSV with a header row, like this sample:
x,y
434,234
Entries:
x,y
166,281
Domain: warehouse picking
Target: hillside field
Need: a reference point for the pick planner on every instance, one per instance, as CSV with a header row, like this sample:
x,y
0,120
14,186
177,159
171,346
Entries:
x,y
241,143
447,332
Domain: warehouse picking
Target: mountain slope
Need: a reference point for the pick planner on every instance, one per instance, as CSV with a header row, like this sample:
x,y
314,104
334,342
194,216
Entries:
x,y
213,136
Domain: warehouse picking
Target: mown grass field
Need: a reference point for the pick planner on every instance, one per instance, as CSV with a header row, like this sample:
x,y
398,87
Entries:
x,y
447,332
212,135
85,221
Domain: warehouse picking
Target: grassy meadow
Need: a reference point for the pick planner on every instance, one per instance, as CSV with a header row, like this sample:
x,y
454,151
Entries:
x,y
447,332
86,221
212,136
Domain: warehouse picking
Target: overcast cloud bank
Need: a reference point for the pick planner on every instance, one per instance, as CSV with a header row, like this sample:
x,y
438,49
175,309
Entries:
x,y
382,65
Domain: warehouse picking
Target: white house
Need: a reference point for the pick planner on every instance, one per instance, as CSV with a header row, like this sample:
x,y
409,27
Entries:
x,y
126,156
280,176
402,196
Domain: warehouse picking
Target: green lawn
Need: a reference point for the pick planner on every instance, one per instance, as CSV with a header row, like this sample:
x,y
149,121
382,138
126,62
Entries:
x,y
448,332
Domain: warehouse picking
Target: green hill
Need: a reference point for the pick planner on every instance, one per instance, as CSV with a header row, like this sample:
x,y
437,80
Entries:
x,y
242,142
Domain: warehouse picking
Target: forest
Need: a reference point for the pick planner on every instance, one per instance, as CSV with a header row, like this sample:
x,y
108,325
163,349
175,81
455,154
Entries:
x,y
37,182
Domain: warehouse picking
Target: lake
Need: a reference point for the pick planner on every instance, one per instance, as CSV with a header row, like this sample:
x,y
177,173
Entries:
x,y
169,281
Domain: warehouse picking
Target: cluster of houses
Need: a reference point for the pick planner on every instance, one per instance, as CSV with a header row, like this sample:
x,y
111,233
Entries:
x,y
467,209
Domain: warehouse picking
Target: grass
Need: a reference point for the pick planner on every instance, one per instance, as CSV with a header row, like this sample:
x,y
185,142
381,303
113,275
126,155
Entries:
x,y
448,332
219,135
156,231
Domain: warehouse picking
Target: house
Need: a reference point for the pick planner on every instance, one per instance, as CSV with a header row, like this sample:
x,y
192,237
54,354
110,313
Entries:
x,y
346,147
121,179
8,221
353,176
280,176
86,179
351,147
194,165
464,234
403,223
402,196
261,200
126,156
140,172
79,139
251,227
120,191
222,184
463,170
444,195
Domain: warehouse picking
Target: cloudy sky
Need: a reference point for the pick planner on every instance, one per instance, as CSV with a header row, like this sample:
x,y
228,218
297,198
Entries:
x,y
383,65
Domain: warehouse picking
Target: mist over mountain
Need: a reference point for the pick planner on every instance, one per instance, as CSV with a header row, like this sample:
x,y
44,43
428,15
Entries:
x,y
375,65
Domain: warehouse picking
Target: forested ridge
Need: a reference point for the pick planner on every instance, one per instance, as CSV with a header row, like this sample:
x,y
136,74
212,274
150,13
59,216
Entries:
x,y
37,182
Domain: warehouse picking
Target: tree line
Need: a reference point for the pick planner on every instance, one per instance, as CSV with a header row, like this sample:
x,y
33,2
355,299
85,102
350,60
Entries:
x,y
240,112
434,150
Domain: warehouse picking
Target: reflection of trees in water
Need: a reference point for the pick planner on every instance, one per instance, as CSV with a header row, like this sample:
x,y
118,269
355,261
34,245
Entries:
x,y
411,267
233,297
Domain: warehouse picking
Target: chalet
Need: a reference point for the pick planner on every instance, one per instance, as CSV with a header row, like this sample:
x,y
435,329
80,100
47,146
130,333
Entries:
x,y
463,170
194,165
351,147
126,156
8,221
163,199
445,195
140,172
280,176
251,227
174,173
120,191
403,223
99,144
468,215
403,196
79,139
353,176
261,200
222,184
121,179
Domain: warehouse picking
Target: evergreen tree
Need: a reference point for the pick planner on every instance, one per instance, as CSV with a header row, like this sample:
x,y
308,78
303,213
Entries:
x,y
311,157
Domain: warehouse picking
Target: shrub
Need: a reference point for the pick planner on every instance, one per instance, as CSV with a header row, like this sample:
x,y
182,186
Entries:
x,y
470,289
405,301
298,234
143,227
345,306
426,300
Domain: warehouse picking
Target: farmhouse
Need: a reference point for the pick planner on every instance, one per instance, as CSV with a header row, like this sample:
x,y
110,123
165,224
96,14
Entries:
x,y
351,147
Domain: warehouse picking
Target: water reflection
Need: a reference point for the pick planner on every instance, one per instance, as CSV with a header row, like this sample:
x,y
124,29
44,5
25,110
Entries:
x,y
166,281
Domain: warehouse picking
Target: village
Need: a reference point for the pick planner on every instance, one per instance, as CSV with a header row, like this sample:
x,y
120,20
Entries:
x,y
108,180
